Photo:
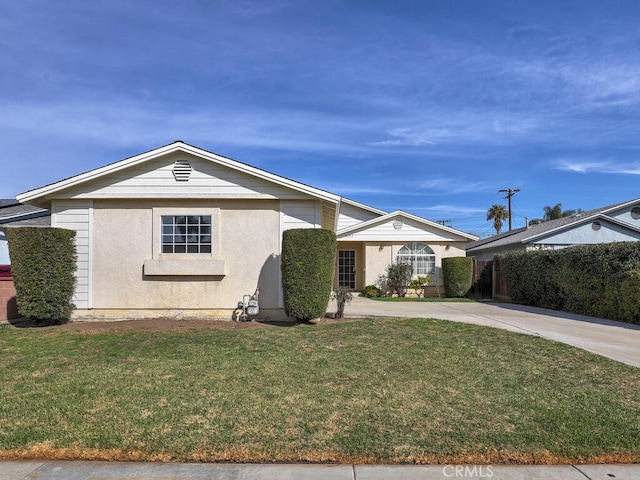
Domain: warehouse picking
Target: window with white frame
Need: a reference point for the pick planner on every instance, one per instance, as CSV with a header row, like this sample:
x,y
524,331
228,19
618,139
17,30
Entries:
x,y
420,256
186,234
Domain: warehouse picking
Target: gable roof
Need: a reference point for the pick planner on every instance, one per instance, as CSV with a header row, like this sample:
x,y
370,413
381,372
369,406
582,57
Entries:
x,y
38,194
369,208
399,214
8,202
543,229
331,203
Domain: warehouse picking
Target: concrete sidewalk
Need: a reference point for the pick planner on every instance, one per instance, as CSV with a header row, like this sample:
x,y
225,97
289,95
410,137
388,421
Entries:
x,y
616,340
83,470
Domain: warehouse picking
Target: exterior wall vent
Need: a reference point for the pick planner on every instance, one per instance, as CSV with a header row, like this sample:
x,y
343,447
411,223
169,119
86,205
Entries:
x,y
397,224
182,170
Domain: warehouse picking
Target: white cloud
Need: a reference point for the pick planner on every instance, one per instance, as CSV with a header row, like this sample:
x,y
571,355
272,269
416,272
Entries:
x,y
608,167
452,210
453,185
415,137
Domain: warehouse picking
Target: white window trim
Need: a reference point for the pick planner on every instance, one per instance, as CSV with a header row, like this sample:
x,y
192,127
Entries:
x,y
199,244
159,212
185,264
412,256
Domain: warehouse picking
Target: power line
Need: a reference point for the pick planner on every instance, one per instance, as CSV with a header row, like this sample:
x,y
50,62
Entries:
x,y
510,193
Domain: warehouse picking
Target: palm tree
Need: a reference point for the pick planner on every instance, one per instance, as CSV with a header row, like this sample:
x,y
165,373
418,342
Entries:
x,y
555,212
497,213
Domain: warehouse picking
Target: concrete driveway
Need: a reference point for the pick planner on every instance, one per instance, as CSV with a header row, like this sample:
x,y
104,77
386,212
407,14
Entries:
x,y
616,340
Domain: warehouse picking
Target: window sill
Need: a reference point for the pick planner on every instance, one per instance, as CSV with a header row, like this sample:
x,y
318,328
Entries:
x,y
184,267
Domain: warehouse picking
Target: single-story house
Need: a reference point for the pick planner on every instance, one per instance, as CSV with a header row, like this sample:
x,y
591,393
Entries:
x,y
614,223
179,230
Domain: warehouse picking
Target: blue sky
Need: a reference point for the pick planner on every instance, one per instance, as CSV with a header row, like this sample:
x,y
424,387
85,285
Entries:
x,y
430,107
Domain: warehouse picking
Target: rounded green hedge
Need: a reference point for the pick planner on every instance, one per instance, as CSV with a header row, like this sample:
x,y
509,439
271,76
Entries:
x,y
457,276
43,262
308,259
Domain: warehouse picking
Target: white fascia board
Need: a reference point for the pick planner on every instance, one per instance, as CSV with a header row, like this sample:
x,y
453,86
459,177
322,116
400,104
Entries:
x,y
400,213
364,207
171,148
336,217
620,206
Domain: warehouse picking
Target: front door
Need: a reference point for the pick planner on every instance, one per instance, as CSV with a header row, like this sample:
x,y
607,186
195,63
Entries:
x,y
347,269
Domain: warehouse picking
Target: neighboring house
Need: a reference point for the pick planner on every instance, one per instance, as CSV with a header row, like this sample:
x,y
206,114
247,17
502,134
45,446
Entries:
x,y
182,231
12,213
393,237
615,223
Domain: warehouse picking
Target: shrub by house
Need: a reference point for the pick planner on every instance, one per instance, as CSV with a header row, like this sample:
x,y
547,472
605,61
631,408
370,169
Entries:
x,y
457,276
396,279
43,261
308,259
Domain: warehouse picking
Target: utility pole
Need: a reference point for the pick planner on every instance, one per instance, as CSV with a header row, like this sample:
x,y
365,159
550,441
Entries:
x,y
510,193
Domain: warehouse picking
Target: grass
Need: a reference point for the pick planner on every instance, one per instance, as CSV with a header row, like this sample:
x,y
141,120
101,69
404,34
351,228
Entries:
x,y
384,390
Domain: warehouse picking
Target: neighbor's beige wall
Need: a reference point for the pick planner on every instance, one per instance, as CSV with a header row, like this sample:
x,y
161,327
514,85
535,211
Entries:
x,y
123,240
380,254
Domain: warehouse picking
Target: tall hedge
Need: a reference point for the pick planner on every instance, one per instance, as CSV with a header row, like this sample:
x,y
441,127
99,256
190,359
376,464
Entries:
x,y
457,276
43,262
599,280
308,259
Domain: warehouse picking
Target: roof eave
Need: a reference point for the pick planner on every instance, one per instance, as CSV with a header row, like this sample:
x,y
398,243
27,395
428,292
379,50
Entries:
x,y
36,196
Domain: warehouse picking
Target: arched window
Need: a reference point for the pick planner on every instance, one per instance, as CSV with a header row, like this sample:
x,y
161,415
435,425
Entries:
x,y
420,256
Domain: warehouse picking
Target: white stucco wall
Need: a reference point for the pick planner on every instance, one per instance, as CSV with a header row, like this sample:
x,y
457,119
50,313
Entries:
x,y
249,246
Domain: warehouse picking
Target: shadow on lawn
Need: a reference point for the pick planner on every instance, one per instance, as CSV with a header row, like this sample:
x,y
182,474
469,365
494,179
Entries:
x,y
23,322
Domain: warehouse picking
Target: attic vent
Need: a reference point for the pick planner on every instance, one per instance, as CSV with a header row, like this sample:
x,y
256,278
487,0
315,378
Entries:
x,y
397,224
182,170
635,213
596,226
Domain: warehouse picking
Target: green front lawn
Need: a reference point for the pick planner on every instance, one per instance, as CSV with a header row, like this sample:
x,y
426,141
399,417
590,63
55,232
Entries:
x,y
384,390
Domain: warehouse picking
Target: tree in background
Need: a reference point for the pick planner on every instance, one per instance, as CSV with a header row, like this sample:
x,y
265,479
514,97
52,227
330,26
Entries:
x,y
497,213
555,212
